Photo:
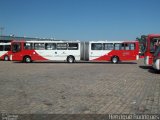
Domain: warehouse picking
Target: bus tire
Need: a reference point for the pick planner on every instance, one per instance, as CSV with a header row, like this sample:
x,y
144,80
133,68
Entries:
x,y
70,59
6,58
115,59
27,59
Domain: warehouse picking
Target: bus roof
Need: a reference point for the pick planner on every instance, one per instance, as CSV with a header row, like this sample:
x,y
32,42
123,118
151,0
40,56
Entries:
x,y
44,41
154,35
112,41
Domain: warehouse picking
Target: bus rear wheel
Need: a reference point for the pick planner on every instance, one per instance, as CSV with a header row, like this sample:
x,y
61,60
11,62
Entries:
x,y
6,58
70,59
115,59
27,59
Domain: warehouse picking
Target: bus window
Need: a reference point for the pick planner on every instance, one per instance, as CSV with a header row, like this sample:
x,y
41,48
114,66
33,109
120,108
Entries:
x,y
28,46
153,44
39,46
1,47
123,45
117,46
126,46
96,46
61,46
7,47
50,46
16,47
72,46
108,46
132,46
157,52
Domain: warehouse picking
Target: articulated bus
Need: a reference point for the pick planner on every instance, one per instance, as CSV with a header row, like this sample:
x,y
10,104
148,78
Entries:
x,y
5,51
149,46
72,51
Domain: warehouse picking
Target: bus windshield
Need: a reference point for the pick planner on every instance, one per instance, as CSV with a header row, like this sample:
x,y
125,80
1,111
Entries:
x,y
16,47
153,44
143,45
157,52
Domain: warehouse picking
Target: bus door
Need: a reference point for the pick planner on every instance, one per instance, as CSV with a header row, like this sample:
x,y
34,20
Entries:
x,y
96,51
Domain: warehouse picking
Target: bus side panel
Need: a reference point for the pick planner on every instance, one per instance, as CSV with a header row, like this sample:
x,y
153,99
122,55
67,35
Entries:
x,y
31,53
98,55
2,54
58,54
106,55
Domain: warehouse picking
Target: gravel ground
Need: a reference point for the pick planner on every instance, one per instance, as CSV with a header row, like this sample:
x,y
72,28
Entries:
x,y
95,88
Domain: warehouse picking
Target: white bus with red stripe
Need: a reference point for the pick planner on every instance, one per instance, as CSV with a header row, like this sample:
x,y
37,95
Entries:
x,y
72,51
5,51
28,51
114,51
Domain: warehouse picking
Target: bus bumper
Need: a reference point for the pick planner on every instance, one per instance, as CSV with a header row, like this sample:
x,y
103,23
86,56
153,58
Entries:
x,y
156,64
137,57
10,57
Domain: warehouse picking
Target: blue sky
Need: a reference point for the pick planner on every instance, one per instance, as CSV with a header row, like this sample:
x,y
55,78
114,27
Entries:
x,y
80,19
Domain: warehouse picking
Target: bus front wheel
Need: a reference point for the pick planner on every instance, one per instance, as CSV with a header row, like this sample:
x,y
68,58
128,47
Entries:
x,y
27,59
6,58
115,59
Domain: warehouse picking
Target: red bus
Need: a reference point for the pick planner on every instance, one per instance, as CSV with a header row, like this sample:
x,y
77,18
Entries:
x,y
72,51
5,51
149,46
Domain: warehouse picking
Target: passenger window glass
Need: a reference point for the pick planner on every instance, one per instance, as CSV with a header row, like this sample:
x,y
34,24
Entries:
x,y
123,46
72,46
126,46
108,46
61,46
132,46
1,47
117,46
39,46
50,46
96,46
28,46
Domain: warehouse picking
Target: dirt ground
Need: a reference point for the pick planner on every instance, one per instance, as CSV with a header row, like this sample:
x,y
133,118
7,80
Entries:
x,y
62,88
